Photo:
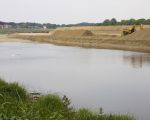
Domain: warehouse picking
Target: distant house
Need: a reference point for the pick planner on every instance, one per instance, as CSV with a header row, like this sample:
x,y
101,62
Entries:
x,y
4,25
44,27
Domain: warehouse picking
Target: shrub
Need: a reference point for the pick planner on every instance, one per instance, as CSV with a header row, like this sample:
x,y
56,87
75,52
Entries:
x,y
2,82
48,106
85,114
13,90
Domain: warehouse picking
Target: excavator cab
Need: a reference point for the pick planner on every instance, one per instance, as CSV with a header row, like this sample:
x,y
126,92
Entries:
x,y
132,30
129,31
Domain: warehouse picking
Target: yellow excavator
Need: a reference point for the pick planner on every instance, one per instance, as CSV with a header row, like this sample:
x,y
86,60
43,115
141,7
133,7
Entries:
x,y
128,31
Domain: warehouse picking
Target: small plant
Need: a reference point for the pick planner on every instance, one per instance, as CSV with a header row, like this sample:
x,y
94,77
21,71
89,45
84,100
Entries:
x,y
69,113
101,111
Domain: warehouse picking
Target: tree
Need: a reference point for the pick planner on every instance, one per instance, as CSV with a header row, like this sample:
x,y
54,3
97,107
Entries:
x,y
132,22
141,21
148,21
113,21
124,22
106,22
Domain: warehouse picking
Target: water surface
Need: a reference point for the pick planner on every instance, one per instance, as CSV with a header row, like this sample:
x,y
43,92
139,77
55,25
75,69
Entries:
x,y
118,81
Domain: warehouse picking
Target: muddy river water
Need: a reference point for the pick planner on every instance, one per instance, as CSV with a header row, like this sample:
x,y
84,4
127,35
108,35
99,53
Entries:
x,y
117,81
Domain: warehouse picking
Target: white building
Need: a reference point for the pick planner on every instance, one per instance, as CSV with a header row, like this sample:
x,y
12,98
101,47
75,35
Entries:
x,y
4,25
44,27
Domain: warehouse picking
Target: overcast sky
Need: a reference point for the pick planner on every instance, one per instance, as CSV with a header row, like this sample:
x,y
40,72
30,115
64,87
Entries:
x,y
72,11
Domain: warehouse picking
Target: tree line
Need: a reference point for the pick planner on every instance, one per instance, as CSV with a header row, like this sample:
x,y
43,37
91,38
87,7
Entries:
x,y
113,21
106,22
32,25
47,25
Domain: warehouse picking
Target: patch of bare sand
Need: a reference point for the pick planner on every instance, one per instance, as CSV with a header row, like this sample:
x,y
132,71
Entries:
x,y
7,38
33,34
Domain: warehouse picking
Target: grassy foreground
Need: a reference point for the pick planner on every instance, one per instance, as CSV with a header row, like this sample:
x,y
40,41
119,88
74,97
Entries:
x,y
17,104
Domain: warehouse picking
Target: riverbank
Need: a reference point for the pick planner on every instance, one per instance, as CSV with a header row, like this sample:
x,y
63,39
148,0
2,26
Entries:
x,y
17,103
6,38
108,37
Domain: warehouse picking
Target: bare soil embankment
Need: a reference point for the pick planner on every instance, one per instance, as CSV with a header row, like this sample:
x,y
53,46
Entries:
x,y
7,38
91,38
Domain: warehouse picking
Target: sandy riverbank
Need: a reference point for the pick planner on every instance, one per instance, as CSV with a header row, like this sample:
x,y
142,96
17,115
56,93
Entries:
x,y
90,37
7,38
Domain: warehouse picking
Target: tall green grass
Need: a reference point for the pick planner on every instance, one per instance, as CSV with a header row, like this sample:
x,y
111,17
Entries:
x,y
17,104
85,114
2,82
13,90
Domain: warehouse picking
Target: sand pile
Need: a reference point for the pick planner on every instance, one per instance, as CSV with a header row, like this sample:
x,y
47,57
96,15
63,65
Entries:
x,y
71,33
139,35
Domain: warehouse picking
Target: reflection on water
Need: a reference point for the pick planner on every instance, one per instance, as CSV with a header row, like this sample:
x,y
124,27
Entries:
x,y
91,78
137,60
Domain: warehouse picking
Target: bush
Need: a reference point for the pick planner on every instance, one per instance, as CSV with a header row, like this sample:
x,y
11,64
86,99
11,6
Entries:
x,y
48,105
2,82
13,90
85,114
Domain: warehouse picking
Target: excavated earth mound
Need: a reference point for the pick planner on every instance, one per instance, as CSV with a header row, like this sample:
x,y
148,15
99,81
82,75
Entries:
x,y
72,33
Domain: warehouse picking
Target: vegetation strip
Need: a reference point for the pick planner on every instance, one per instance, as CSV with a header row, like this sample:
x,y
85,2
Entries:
x,y
17,104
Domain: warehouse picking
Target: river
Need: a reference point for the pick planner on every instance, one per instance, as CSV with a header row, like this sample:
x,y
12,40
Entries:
x,y
117,81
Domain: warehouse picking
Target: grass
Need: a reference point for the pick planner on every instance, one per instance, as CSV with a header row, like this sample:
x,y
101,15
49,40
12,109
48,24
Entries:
x,y
17,104
85,114
23,30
